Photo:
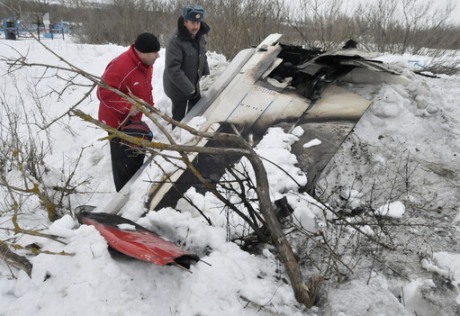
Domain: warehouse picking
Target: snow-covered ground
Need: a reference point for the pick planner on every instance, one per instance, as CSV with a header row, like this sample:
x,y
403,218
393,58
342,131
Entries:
x,y
405,151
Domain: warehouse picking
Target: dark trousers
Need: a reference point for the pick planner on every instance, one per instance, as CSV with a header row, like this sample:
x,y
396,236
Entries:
x,y
125,162
182,107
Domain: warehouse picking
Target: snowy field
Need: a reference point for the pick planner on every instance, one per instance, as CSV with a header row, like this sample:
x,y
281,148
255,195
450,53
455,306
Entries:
x,y
405,151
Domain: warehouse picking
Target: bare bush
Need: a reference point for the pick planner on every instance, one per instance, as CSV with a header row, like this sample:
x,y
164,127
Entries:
x,y
323,24
120,21
394,26
23,157
402,26
241,24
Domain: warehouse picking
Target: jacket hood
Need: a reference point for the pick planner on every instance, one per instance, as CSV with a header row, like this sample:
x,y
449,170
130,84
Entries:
x,y
183,33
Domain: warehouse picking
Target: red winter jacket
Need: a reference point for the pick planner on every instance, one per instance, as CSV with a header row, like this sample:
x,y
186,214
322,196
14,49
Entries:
x,y
129,75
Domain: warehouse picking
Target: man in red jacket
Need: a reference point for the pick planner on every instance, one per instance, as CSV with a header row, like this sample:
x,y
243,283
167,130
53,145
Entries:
x,y
130,73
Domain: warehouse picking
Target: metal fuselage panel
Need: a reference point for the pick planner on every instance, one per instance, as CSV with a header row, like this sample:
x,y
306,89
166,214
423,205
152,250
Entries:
x,y
277,83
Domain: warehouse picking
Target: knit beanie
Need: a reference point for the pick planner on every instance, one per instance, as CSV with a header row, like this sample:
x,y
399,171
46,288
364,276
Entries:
x,y
147,43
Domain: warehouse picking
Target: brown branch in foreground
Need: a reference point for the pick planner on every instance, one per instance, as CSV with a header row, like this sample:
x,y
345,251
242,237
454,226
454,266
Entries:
x,y
301,290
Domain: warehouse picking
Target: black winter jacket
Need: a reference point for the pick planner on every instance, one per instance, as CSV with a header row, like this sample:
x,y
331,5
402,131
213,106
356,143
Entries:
x,y
186,62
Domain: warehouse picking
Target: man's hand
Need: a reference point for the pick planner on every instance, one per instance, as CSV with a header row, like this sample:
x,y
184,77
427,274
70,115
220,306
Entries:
x,y
196,97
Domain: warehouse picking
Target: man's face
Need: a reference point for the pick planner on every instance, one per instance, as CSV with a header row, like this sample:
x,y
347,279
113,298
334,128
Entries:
x,y
149,58
192,26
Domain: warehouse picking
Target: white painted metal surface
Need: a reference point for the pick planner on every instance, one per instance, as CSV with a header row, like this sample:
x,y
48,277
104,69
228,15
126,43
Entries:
x,y
245,95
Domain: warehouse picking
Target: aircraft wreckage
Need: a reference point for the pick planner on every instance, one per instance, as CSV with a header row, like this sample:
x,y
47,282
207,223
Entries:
x,y
275,83
272,84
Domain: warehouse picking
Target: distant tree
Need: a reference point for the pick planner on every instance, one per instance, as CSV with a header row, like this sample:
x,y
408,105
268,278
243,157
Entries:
x,y
396,26
240,24
119,21
323,24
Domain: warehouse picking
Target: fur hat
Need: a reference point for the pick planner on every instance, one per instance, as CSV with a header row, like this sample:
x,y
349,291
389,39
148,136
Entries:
x,y
193,13
147,43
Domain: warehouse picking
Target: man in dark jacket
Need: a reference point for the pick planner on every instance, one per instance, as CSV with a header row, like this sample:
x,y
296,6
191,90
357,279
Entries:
x,y
186,61
131,73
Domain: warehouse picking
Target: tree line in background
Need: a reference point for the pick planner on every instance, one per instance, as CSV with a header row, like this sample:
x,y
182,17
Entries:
x,y
394,26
